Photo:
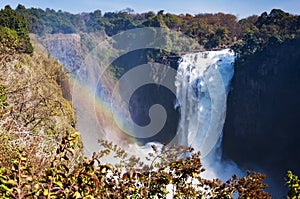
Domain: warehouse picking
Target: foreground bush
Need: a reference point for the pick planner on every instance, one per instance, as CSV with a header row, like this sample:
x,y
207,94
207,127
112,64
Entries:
x,y
170,171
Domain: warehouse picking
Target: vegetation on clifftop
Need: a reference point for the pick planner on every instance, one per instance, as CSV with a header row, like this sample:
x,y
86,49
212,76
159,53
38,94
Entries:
x,y
209,30
259,32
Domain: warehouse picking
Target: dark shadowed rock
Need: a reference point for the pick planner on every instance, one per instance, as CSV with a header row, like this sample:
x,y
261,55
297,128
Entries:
x,y
261,131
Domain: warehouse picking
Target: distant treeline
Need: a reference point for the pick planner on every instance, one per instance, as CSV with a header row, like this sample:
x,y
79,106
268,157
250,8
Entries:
x,y
245,36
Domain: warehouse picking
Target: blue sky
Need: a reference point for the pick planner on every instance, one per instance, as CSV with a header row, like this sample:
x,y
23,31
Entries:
x,y
241,8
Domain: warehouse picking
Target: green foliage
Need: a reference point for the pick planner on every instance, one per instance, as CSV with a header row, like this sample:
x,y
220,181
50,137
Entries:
x,y
177,167
292,183
258,32
201,27
156,21
21,179
14,32
209,30
171,21
117,22
9,40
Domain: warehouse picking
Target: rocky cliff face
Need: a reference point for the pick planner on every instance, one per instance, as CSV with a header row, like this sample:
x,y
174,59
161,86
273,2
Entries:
x,y
66,48
71,49
262,122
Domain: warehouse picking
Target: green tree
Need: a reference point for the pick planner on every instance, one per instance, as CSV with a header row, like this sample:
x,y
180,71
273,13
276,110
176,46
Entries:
x,y
14,21
9,40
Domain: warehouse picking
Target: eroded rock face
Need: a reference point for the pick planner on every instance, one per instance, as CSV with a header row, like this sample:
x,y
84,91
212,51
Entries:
x,y
71,49
66,48
261,131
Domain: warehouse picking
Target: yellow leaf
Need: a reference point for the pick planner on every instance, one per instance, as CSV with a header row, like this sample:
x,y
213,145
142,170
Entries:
x,y
12,182
195,175
58,184
46,192
77,195
88,197
103,170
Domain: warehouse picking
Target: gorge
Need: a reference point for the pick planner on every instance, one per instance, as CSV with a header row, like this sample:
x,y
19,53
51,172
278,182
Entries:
x,y
241,122
228,88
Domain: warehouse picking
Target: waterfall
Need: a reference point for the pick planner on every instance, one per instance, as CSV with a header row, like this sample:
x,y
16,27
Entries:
x,y
201,87
202,84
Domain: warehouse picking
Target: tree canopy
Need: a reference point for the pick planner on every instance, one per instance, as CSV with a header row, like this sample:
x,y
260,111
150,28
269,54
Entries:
x,y
210,30
14,34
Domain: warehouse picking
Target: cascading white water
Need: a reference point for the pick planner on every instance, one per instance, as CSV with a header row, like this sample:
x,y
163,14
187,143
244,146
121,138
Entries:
x,y
202,84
